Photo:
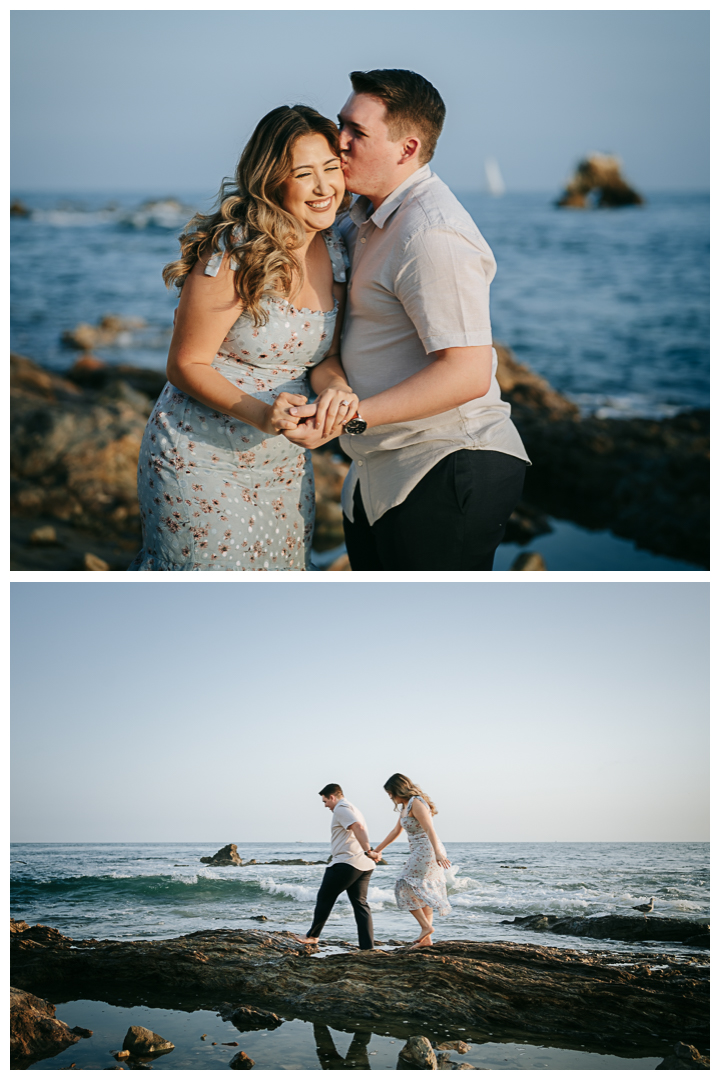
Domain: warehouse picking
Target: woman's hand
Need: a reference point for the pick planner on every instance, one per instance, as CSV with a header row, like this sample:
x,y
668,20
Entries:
x,y
307,436
442,860
332,408
279,419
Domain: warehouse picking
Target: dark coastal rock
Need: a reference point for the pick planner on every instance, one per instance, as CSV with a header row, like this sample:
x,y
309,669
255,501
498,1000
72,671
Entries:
x,y
241,1061
35,1033
620,927
646,480
227,856
417,1053
259,918
248,1018
18,209
508,989
75,441
684,1057
598,181
142,1042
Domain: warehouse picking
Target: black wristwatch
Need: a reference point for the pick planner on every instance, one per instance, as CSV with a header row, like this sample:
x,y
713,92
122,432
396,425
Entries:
x,y
355,426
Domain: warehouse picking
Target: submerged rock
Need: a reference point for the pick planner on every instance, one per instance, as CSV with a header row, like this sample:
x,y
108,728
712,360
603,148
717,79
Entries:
x,y
417,1053
598,181
248,1018
241,1061
508,989
227,856
141,1042
35,1033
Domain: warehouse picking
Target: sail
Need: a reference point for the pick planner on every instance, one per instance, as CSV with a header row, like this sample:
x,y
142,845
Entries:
x,y
495,182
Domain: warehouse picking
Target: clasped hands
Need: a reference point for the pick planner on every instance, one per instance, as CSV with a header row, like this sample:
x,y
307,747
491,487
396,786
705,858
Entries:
x,y
312,425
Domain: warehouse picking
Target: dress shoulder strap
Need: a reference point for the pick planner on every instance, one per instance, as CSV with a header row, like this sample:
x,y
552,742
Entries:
x,y
213,263
338,253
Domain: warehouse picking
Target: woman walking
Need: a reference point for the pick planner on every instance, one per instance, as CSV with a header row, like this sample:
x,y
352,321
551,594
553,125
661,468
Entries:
x,y
420,889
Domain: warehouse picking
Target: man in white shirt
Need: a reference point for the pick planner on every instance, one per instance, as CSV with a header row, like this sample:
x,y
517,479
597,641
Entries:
x,y
438,465
350,867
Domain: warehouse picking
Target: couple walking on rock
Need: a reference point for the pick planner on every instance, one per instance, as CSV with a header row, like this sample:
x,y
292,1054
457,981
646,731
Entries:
x,y
420,889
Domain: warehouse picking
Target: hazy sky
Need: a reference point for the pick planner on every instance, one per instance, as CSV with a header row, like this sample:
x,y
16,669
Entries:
x,y
162,101
207,712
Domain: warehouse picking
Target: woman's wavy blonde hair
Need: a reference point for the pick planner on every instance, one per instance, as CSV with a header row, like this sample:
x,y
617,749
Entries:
x,y
402,787
250,222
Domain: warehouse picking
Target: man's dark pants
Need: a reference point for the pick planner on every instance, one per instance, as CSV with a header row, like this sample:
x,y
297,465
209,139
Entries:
x,y
345,878
453,519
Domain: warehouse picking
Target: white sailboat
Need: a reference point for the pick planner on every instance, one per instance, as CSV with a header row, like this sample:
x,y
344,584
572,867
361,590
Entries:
x,y
495,182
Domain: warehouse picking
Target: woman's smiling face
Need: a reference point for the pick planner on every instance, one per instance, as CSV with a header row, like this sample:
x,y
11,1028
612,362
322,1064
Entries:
x,y
316,186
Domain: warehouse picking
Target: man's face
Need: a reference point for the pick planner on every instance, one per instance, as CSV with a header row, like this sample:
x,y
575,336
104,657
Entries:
x,y
330,801
369,157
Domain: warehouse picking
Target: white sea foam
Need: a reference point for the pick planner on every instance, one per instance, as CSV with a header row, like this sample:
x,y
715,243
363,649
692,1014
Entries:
x,y
302,893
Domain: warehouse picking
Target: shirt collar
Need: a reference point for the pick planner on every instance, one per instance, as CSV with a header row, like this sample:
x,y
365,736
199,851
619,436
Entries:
x,y
361,209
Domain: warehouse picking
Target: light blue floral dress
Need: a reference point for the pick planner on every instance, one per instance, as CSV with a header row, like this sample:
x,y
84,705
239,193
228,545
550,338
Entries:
x,y
422,881
218,494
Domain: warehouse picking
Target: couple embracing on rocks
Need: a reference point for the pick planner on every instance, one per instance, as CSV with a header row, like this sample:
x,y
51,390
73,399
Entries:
x,y
420,889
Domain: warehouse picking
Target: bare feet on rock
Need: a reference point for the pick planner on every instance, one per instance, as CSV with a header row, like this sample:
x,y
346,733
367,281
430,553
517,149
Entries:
x,y
307,940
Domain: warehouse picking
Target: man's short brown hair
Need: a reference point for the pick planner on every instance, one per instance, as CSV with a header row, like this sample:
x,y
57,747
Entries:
x,y
412,104
331,789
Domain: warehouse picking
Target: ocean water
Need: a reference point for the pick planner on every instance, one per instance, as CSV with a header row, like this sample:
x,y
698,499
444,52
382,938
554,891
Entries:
x,y
612,307
122,891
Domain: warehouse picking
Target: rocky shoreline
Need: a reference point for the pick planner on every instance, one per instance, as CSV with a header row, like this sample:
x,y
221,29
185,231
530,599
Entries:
x,y
75,440
510,991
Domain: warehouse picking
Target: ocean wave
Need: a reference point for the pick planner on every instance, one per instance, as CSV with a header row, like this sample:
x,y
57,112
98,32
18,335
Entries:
x,y
157,886
163,214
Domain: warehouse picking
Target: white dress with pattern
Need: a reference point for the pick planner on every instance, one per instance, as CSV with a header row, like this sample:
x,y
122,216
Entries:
x,y
422,881
215,493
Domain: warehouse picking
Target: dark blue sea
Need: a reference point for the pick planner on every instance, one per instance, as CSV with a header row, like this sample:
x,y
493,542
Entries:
x,y
611,306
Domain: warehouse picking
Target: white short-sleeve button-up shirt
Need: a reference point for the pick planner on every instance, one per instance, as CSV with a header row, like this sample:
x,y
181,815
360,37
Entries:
x,y
420,282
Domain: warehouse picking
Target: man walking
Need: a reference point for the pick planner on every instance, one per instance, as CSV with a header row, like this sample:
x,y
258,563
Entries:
x,y
437,464
350,867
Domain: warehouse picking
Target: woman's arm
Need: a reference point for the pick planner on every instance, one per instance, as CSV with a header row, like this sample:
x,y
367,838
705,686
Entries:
x,y
208,308
423,816
329,382
392,835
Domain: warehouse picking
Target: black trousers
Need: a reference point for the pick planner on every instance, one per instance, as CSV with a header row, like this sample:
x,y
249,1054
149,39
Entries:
x,y
453,519
344,878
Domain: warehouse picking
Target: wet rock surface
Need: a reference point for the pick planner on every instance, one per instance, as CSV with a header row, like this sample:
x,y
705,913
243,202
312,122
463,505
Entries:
x,y
249,1018
509,990
75,439
685,1057
620,928
35,1032
646,480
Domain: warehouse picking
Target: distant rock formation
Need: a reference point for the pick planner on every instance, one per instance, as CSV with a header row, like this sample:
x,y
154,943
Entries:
x,y
18,209
227,856
598,181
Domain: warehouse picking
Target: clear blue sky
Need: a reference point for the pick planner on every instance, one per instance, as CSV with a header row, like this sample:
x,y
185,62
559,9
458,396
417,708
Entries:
x,y
556,711
162,101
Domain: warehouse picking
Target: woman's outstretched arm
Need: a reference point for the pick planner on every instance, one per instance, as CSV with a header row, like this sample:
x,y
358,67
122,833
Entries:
x,y
208,308
423,816
392,835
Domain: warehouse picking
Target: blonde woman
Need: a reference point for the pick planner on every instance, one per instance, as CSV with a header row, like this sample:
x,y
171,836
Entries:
x,y
420,889
257,331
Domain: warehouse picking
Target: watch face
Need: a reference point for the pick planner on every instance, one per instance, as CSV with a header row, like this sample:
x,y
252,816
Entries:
x,y
355,426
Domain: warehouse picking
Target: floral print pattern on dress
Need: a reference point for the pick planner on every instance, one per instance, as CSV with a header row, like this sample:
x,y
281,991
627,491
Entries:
x,y
217,494
422,881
